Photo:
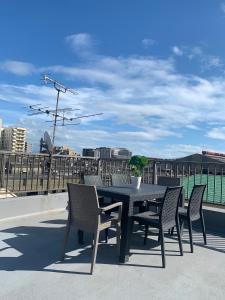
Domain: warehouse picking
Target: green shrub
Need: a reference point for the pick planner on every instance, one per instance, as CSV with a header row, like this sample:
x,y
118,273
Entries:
x,y
137,163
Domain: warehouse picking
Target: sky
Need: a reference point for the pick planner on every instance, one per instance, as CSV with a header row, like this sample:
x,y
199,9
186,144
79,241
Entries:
x,y
155,69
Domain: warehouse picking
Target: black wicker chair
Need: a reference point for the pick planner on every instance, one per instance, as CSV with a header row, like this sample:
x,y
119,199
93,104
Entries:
x,y
123,179
120,179
166,181
193,212
165,220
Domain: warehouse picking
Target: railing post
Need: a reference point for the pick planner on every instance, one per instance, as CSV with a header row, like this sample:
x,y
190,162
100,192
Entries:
x,y
99,167
2,171
49,163
154,175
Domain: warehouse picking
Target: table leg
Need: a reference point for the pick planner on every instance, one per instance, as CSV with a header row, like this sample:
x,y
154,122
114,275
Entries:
x,y
80,234
125,234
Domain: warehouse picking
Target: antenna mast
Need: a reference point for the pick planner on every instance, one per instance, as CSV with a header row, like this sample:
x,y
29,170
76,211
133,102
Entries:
x,y
60,88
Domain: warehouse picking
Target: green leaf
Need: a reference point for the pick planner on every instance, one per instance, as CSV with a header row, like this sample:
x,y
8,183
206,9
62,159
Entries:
x,y
137,163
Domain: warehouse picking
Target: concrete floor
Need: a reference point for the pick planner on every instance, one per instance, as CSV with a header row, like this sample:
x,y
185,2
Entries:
x,y
30,267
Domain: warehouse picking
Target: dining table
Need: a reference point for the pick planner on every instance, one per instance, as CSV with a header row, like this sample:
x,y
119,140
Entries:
x,y
128,195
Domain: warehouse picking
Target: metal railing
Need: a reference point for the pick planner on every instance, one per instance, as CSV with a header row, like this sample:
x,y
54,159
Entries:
x,y
28,174
191,173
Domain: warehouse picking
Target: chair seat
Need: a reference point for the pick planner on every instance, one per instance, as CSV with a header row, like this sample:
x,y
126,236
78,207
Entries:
x,y
108,221
182,211
148,218
155,202
140,203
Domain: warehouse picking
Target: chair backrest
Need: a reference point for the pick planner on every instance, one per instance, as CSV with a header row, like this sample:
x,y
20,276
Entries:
x,y
195,202
172,181
169,181
120,179
93,180
169,209
83,206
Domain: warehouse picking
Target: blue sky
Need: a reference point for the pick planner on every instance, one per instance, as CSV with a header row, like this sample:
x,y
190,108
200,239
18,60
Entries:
x,y
154,68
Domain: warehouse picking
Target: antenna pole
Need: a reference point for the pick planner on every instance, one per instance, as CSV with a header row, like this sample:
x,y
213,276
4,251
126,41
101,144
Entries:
x,y
59,88
56,115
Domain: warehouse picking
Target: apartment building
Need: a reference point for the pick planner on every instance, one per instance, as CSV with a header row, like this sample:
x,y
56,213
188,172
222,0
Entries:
x,y
13,139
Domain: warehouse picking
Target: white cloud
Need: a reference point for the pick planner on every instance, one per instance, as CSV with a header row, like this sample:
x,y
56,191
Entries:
x,y
217,133
222,6
81,43
147,43
17,67
181,150
194,52
177,51
210,61
207,61
144,99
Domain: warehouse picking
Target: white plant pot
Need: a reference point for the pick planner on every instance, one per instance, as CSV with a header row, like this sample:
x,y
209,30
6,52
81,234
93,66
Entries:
x,y
136,182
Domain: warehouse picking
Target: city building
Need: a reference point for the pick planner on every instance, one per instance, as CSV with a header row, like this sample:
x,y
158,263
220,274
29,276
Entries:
x,y
64,150
107,153
28,147
13,139
121,153
90,152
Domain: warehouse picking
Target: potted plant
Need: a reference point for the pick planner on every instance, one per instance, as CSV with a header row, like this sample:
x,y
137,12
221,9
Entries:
x,y
137,163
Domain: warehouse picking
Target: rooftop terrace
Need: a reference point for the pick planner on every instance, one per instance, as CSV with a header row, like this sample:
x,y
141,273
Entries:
x,y
30,268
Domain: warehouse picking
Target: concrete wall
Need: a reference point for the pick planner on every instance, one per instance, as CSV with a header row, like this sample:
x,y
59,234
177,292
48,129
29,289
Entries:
x,y
23,206
214,219
27,205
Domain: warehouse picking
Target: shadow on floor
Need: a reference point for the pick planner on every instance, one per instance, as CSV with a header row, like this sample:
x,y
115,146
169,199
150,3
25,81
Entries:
x,y
38,248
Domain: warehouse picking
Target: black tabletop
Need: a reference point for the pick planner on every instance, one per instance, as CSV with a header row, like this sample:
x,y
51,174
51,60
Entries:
x,y
146,191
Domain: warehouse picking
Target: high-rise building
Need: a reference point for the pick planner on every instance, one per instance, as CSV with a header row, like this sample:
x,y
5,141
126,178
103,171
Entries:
x,y
13,139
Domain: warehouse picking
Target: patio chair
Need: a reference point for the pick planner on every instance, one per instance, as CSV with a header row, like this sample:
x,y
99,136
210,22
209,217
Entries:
x,y
93,180
97,181
166,181
193,212
123,179
86,215
166,219
120,179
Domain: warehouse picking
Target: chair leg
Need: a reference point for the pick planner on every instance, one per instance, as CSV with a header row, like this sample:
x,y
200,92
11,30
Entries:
x,y
181,227
94,251
106,235
118,236
162,248
159,237
203,228
146,234
190,235
179,237
67,231
172,231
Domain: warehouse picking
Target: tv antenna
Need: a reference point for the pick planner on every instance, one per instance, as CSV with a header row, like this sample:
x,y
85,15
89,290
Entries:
x,y
60,88
58,114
